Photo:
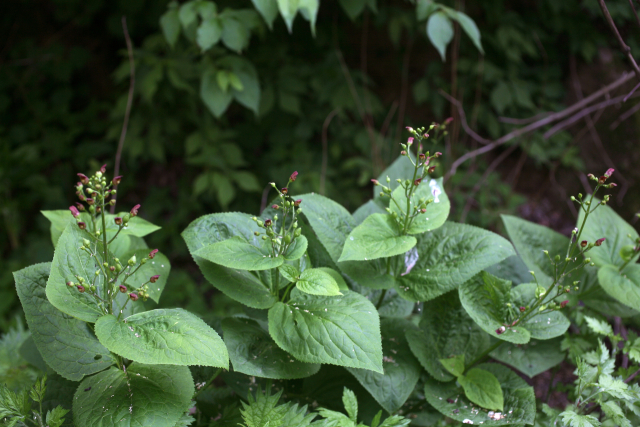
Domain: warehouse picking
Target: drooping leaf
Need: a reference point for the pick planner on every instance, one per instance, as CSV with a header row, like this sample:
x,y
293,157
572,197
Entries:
x,y
253,352
440,32
519,399
163,336
485,297
65,343
341,330
446,330
448,257
144,395
297,249
268,9
622,285
170,24
437,211
353,8
605,222
532,358
314,281
378,236
239,254
401,369
216,100
288,10
482,388
454,365
468,26
69,263
235,34
209,34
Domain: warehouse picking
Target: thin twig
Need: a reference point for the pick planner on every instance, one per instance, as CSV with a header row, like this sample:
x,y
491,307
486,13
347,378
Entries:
x,y
463,119
625,47
540,123
127,112
325,155
514,121
630,112
631,93
632,376
634,12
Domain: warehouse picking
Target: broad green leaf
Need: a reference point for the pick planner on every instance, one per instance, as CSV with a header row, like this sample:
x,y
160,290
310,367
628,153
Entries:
x,y
468,25
163,336
541,326
29,352
59,220
440,32
401,369
532,358
604,222
342,285
216,100
137,226
353,8
449,257
237,253
482,388
594,296
240,285
235,34
378,236
437,211
170,24
158,265
424,8
341,330
206,9
144,395
530,240
288,10
445,330
314,281
209,33
69,263
253,352
485,297
371,274
454,365
512,269
297,249
309,11
519,399
401,168
65,343
331,222
622,285
188,14
367,209
289,272
599,326
268,9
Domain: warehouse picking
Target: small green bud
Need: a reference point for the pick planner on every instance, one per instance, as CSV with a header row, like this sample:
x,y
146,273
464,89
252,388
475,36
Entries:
x,y
388,179
556,258
86,242
126,217
97,272
105,264
264,237
576,289
132,260
99,174
542,307
97,232
70,284
287,239
143,260
298,232
93,288
546,252
540,292
260,223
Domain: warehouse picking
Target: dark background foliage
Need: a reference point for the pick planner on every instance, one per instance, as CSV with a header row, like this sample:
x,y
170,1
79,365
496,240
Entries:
x,y
344,96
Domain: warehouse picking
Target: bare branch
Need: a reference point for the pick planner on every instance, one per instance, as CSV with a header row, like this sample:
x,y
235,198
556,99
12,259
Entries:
x,y
625,47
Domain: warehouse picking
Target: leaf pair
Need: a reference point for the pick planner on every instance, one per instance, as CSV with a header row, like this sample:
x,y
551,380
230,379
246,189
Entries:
x,y
479,385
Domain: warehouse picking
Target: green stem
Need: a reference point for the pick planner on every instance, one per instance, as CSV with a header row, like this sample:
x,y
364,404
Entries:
x,y
484,354
107,296
286,292
382,295
215,375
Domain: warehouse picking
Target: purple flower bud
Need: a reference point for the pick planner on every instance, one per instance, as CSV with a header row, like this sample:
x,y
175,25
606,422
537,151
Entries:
x,y
82,225
274,206
74,211
80,288
431,169
123,288
609,172
297,203
584,243
80,206
90,200
423,210
154,279
112,268
602,179
103,169
285,190
564,303
599,241
83,178
133,296
118,220
523,309
449,120
267,222
153,253
417,182
403,153
116,180
422,157
134,210
375,182
438,154
410,140
500,330
293,176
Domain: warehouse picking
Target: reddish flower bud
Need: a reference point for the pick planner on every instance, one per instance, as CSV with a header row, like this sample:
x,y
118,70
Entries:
x,y
409,128
81,196
293,176
123,288
438,154
90,201
297,203
417,182
117,180
80,206
112,268
80,288
602,179
103,168
426,135
423,210
274,206
584,243
134,210
98,209
267,222
83,178
449,120
133,296
70,283
523,309
564,303
153,253
403,153
500,330
599,241
82,225
431,169
422,157
375,182
74,211
118,220
285,190
410,140
609,172
154,279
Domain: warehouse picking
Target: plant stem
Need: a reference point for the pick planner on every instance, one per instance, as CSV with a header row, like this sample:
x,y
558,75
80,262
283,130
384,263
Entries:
x,y
484,354
382,295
